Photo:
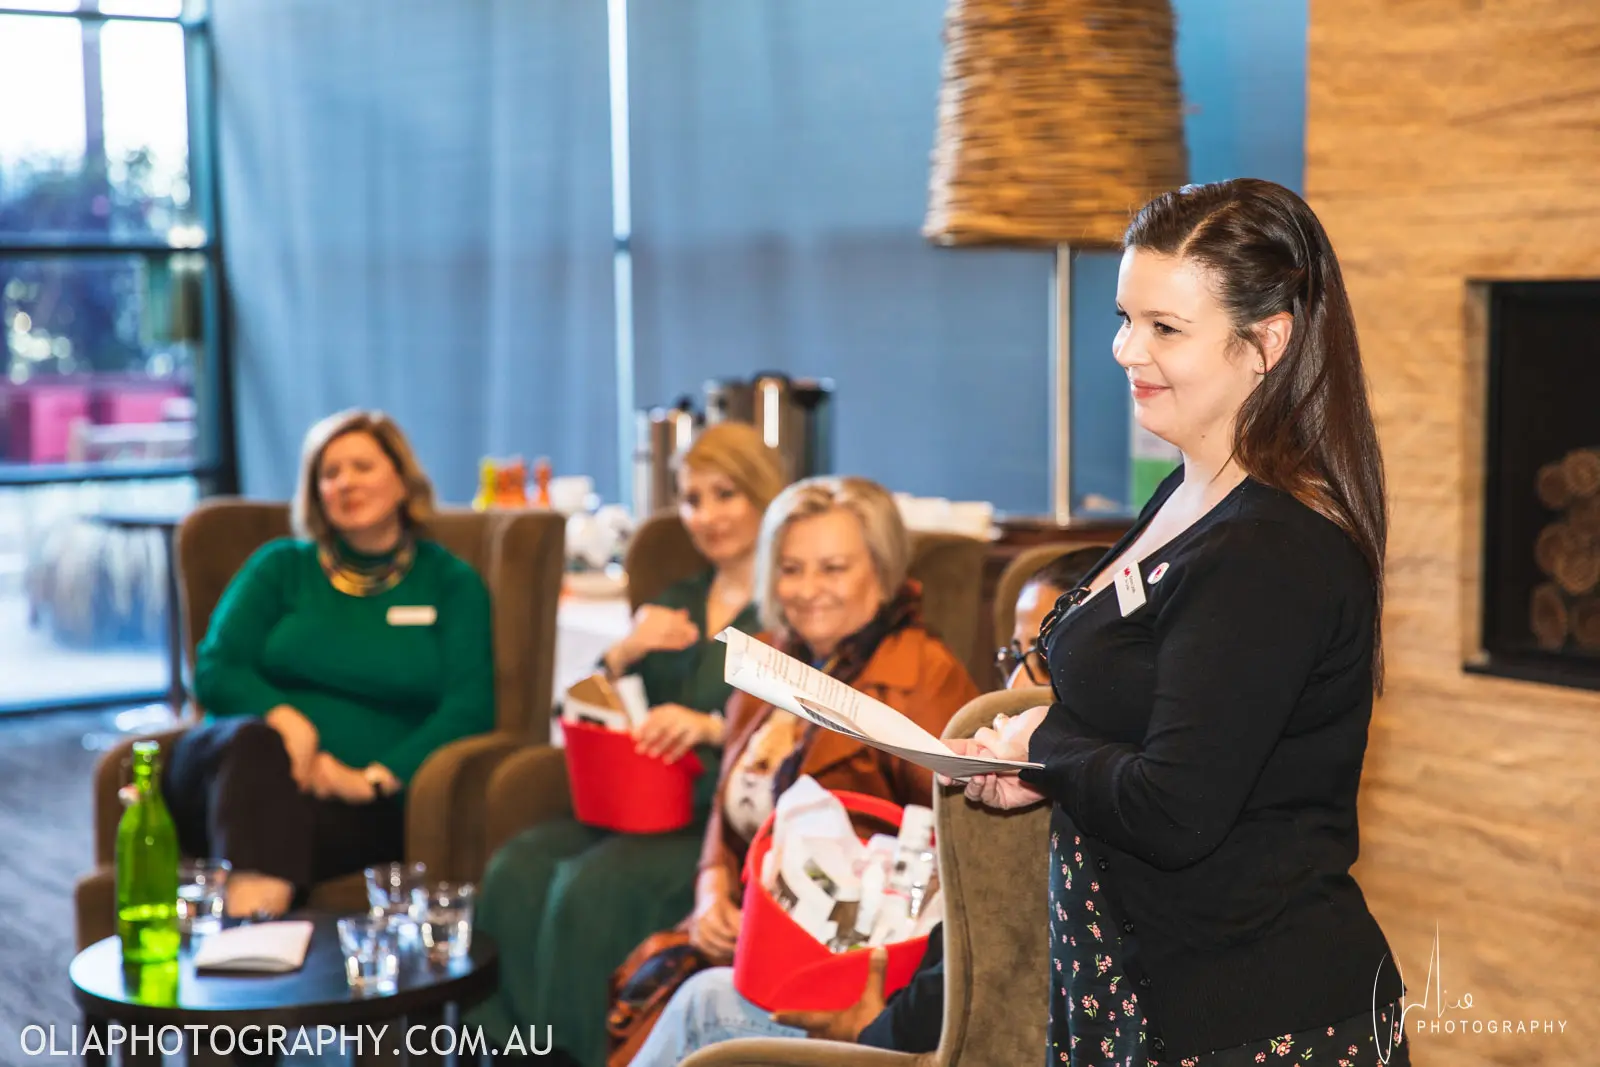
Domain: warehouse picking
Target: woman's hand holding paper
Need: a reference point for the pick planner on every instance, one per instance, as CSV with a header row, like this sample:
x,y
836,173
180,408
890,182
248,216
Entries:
x,y
1007,739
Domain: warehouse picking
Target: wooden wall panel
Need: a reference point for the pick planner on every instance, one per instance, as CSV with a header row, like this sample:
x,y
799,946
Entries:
x,y
1452,141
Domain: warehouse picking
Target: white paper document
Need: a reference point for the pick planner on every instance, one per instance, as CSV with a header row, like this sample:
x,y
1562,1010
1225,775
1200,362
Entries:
x,y
784,682
272,947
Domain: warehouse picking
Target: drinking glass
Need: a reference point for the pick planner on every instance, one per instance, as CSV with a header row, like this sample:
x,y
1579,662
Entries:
x,y
371,953
391,889
444,915
391,886
202,885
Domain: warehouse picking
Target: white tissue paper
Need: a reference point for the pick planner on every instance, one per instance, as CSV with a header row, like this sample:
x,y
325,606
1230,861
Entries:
x,y
844,893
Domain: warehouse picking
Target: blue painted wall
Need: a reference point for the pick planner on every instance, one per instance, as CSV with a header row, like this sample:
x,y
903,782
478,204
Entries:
x,y
1243,68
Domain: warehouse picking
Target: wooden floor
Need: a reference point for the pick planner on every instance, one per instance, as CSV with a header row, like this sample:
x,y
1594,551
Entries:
x,y
44,825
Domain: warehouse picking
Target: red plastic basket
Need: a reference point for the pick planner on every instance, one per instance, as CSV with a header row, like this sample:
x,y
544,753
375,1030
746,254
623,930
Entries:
x,y
780,967
616,788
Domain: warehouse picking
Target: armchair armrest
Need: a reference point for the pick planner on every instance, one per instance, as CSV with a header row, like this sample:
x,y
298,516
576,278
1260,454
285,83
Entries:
x,y
799,1052
528,788
980,711
994,873
445,808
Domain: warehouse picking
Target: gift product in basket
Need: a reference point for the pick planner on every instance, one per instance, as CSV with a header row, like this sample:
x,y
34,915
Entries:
x,y
912,881
618,704
840,891
781,965
614,786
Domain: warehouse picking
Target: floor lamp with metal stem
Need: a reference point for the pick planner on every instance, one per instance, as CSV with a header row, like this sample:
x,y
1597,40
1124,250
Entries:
x,y
1061,387
1057,119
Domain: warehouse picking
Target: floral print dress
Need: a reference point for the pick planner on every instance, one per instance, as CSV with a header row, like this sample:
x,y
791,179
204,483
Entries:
x,y
1095,1016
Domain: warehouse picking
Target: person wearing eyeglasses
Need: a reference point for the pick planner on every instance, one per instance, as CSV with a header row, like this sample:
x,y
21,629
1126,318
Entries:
x,y
1021,663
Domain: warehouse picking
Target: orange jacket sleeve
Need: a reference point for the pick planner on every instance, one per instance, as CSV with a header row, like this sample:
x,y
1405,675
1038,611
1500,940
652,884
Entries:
x,y
946,687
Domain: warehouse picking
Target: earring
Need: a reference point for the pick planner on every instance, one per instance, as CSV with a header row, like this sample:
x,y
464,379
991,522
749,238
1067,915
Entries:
x,y
1263,369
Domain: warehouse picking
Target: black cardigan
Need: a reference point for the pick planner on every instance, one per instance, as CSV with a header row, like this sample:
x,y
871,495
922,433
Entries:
x,y
1208,747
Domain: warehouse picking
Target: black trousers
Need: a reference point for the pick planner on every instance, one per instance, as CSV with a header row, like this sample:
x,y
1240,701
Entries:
x,y
228,786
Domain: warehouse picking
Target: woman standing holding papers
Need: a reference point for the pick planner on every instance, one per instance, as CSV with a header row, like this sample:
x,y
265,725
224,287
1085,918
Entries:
x,y
1214,678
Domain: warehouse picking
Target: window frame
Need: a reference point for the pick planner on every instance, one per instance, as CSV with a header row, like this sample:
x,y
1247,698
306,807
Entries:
x,y
214,467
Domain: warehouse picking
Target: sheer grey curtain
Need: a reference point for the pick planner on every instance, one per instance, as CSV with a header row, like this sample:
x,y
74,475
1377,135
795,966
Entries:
x,y
416,210
417,215
780,171
780,165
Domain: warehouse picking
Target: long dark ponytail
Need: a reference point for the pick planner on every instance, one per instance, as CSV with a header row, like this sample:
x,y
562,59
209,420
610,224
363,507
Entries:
x,y
1307,429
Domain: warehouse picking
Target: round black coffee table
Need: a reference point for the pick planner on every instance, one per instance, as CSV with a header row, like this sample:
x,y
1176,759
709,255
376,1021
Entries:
x,y
214,1009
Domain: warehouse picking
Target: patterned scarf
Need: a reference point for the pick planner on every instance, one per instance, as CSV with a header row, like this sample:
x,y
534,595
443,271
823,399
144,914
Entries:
x,y
902,611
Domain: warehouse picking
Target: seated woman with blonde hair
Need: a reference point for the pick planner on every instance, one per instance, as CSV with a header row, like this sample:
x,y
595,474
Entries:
x,y
336,662
708,1009
831,571
565,902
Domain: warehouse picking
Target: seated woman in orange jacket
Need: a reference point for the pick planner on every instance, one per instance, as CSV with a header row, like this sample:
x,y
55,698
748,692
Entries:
x,y
831,575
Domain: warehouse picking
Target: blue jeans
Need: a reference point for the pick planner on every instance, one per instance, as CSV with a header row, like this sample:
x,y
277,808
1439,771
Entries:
x,y
705,1010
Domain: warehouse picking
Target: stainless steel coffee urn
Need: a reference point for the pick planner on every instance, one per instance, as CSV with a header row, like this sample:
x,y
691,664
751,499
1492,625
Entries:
x,y
794,415
660,434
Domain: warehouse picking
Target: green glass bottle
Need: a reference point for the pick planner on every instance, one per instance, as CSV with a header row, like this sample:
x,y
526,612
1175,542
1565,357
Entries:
x,y
147,866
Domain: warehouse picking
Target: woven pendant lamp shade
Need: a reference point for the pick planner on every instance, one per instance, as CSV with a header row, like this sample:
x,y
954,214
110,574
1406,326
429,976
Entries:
x,y
1057,120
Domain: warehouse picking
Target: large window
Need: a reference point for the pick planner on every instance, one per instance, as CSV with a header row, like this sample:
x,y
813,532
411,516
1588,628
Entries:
x,y
111,399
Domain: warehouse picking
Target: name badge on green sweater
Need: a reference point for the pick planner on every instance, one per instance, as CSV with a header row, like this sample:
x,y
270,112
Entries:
x,y
412,615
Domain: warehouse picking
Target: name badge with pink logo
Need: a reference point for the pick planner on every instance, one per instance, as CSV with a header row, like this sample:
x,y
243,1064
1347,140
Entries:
x,y
1130,589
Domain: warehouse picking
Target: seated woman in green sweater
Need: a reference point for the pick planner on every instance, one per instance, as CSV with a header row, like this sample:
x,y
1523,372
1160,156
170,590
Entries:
x,y
335,663
565,902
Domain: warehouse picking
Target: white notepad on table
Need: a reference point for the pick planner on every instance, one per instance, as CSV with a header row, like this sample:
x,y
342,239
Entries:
x,y
268,948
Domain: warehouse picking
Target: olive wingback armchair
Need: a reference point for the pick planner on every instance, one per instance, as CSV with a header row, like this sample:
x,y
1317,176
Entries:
x,y
520,557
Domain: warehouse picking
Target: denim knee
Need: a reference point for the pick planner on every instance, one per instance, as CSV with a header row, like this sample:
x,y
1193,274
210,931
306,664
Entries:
x,y
709,997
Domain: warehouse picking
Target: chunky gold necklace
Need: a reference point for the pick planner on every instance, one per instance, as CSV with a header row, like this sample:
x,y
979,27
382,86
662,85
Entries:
x,y
357,579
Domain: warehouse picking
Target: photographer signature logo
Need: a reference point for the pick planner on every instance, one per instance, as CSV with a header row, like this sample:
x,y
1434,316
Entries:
x,y
1434,996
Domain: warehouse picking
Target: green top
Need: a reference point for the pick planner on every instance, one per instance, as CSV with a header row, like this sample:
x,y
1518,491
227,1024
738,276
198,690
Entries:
x,y
691,677
381,684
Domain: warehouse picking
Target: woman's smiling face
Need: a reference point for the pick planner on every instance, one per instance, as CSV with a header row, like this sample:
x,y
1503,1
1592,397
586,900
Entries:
x,y
1187,369
827,586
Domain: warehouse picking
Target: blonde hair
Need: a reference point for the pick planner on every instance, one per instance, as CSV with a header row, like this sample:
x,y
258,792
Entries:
x,y
872,506
310,521
737,451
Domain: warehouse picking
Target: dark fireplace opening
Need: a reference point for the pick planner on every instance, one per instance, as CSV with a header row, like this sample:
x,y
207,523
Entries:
x,y
1541,543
